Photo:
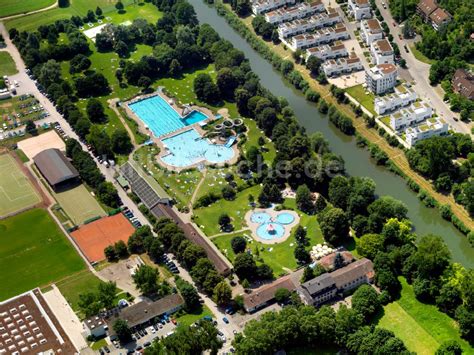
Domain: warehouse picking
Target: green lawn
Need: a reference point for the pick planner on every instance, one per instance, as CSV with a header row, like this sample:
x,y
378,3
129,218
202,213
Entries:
x,y
253,134
280,257
422,327
189,318
365,99
9,7
207,217
16,191
7,65
34,252
215,180
420,56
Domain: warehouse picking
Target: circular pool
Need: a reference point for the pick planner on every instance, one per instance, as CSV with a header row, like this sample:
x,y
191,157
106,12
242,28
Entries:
x,y
260,217
285,218
270,231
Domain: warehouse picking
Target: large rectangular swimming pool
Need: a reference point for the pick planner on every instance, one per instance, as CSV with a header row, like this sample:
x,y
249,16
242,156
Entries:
x,y
161,118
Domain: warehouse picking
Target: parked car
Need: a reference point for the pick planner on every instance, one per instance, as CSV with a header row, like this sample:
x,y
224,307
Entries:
x,y
226,321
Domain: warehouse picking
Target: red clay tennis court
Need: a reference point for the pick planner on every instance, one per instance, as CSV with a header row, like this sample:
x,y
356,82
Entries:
x,y
92,238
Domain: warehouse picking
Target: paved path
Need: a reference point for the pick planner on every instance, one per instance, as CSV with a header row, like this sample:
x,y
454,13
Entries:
x,y
420,72
29,13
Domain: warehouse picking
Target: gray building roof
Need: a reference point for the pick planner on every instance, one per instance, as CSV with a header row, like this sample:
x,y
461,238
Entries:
x,y
318,284
54,166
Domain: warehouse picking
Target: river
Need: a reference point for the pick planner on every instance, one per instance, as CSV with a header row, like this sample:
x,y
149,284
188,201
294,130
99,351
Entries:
x,y
357,161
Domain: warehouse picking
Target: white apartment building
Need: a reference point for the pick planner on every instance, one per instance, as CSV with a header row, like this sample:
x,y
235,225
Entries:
x,y
298,26
335,67
326,51
261,6
432,127
360,9
301,10
382,52
402,97
322,36
406,117
370,31
381,78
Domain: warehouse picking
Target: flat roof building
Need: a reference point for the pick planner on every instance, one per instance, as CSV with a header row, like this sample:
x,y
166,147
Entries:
x,y
360,9
381,78
265,295
55,167
382,52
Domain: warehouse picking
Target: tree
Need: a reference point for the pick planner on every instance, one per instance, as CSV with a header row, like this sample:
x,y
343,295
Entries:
x,y
334,225
192,254
63,3
238,244
304,199
348,321
89,304
122,330
146,280
302,255
449,347
308,274
95,111
205,89
110,254
121,249
300,235
79,63
119,6
121,142
314,64
106,294
449,298
228,193
224,220
465,318
370,244
382,209
189,293
339,191
282,295
432,257
245,266
49,73
175,68
107,194
98,11
30,128
365,301
227,83
222,293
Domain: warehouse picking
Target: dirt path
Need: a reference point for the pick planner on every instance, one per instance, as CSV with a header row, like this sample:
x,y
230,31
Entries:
x,y
226,233
113,105
30,13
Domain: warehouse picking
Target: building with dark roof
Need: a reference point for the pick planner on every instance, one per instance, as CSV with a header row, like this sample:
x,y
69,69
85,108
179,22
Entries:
x,y
463,83
425,8
432,13
55,167
325,287
265,295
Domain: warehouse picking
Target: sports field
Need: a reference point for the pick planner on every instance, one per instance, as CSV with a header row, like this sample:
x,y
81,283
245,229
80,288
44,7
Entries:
x,y
79,204
9,7
16,191
34,252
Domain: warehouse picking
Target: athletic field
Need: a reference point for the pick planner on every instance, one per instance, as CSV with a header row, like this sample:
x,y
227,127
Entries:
x,y
11,7
16,191
34,252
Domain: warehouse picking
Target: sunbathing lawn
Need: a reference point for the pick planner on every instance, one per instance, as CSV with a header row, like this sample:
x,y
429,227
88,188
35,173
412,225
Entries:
x,y
207,217
422,327
253,134
7,65
214,180
366,100
9,7
280,257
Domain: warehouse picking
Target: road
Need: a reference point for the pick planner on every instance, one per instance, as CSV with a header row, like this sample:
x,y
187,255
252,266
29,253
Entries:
x,y
420,72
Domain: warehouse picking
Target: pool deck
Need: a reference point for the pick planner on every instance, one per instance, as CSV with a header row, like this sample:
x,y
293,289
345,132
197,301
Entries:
x,y
273,214
197,126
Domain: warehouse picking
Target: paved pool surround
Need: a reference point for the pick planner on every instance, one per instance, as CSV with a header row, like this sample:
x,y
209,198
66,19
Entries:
x,y
259,218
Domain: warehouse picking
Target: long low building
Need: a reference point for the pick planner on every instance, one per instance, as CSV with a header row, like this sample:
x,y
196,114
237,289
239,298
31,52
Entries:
x,y
55,167
326,51
265,295
298,26
403,96
325,287
431,127
301,10
335,67
319,37
262,6
406,117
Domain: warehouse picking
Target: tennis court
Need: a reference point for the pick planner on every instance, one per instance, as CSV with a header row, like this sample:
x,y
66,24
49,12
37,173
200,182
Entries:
x,y
94,237
16,191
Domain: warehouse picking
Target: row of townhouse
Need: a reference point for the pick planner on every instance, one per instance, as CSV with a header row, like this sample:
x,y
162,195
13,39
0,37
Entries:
x,y
416,113
370,31
430,12
292,13
322,36
381,78
382,52
260,7
431,127
403,96
326,51
335,67
360,9
299,26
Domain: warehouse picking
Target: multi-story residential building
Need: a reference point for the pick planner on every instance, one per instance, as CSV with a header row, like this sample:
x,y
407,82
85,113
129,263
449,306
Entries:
x,y
463,83
324,52
335,67
382,52
360,9
425,8
322,36
298,26
416,113
370,31
402,97
429,128
430,12
325,287
381,78
262,6
292,13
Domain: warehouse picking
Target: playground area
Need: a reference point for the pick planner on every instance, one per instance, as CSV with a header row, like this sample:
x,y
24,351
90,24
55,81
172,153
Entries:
x,y
94,237
17,192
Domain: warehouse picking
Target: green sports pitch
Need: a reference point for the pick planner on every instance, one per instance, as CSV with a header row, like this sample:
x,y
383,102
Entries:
x,y
16,191
33,253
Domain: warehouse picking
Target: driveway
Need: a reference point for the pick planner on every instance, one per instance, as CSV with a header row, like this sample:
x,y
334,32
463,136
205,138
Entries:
x,y
420,72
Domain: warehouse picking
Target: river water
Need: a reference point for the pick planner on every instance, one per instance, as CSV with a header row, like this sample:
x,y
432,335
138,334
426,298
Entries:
x,y
357,161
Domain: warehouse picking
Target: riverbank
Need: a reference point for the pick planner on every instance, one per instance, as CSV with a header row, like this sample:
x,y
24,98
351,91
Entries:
x,y
397,157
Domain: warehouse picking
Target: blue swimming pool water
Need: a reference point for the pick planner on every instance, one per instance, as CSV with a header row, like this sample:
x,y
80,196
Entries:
x,y
264,232
285,218
161,118
260,217
188,148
